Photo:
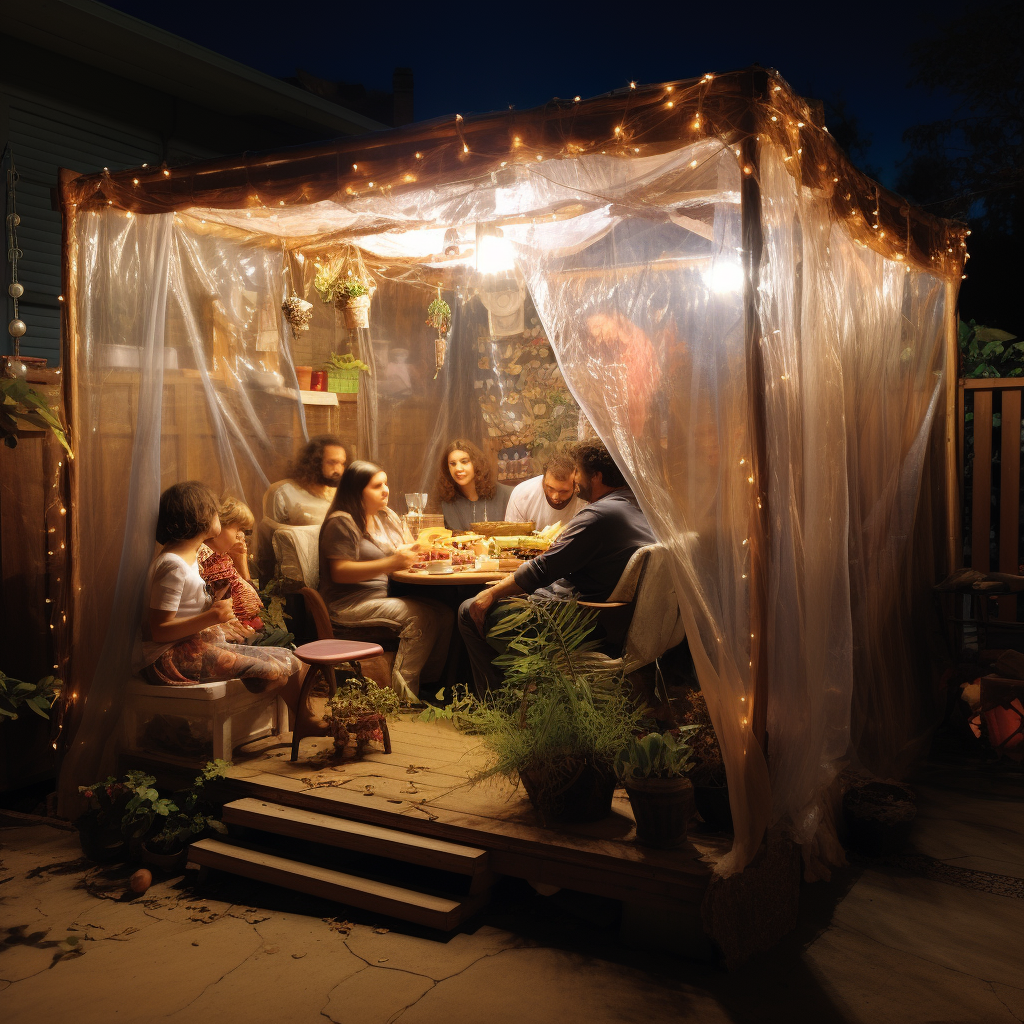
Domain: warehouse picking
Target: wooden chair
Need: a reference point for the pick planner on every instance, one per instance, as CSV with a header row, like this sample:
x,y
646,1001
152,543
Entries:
x,y
323,654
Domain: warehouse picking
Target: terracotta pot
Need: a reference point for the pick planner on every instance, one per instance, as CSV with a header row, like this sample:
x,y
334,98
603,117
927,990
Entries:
x,y
170,863
713,806
305,376
356,311
662,808
580,792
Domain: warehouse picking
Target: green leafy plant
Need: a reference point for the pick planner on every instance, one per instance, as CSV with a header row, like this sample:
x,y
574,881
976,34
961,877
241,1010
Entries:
x,y
331,285
658,755
37,697
707,768
987,352
20,404
359,708
132,805
345,361
439,316
561,703
195,815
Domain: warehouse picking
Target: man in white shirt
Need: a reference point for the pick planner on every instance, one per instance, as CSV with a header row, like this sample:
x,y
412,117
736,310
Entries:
x,y
548,498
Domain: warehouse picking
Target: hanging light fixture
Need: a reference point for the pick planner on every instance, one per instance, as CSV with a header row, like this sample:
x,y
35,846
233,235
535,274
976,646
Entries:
x,y
451,242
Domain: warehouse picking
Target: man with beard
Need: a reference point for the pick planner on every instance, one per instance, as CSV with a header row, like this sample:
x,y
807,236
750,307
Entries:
x,y
585,563
304,498
549,498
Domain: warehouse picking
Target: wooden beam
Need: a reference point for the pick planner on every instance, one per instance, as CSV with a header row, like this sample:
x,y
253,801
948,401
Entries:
x,y
758,536
1009,495
981,486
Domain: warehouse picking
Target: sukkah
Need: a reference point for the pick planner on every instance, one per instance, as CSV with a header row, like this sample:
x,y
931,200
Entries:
x,y
761,335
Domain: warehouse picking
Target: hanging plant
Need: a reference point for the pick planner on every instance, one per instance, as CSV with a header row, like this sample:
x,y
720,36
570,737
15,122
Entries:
x,y
439,316
298,312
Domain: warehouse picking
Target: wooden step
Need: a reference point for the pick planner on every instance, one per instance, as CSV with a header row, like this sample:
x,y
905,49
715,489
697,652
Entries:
x,y
362,893
356,836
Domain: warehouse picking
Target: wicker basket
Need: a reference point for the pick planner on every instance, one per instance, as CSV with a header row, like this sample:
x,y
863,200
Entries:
x,y
502,529
343,382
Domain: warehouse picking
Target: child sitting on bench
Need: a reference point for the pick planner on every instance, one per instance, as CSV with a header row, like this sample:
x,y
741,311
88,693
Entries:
x,y
186,629
225,559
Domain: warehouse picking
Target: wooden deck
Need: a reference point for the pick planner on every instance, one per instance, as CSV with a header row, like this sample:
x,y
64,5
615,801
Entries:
x,y
423,788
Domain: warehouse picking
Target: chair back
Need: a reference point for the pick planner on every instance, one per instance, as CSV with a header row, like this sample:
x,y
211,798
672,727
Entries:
x,y
317,611
297,554
657,623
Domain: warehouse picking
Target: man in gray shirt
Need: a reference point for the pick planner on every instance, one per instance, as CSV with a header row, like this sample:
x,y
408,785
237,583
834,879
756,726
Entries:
x,y
585,563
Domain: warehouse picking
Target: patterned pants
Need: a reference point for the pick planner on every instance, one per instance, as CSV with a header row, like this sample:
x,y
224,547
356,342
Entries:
x,y
198,660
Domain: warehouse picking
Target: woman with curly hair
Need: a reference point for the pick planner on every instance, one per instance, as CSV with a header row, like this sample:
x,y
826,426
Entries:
x,y
468,490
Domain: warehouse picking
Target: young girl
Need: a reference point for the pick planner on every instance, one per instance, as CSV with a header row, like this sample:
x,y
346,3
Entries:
x,y
224,559
362,541
185,629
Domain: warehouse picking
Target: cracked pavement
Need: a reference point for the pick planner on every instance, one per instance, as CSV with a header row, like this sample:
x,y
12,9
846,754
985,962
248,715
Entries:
x,y
877,944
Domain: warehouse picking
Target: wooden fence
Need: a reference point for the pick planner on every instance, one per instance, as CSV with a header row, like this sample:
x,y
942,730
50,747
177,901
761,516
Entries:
x,y
991,469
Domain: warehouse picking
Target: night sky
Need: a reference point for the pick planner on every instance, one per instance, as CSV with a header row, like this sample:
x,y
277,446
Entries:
x,y
479,57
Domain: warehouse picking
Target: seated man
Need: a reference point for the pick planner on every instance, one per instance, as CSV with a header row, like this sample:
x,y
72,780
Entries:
x,y
304,498
585,563
549,498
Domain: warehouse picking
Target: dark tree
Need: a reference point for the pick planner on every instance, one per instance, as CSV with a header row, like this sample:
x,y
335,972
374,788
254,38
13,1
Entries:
x,y
970,166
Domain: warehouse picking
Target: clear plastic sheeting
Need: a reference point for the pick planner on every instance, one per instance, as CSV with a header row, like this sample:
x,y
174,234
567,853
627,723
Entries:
x,y
593,258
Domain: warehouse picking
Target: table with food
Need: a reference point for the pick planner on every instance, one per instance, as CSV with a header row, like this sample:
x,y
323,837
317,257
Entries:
x,y
477,557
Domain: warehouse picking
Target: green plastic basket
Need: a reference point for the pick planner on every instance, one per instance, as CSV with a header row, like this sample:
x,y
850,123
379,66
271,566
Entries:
x,y
343,382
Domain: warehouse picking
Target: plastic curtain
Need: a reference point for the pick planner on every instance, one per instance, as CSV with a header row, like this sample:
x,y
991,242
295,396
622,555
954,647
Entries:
x,y
181,369
585,284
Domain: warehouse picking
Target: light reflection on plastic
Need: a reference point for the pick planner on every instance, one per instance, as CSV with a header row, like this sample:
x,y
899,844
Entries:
x,y
724,276
494,254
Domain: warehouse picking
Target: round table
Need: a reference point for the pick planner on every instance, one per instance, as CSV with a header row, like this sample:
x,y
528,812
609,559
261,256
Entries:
x,y
470,578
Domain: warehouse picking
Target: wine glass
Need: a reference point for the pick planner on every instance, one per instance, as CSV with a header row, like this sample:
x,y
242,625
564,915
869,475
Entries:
x,y
416,502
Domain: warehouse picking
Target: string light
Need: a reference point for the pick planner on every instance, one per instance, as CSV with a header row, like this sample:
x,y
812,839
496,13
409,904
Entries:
x,y
167,173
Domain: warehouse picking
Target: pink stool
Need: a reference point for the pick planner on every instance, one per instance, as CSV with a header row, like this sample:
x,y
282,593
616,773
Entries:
x,y
322,656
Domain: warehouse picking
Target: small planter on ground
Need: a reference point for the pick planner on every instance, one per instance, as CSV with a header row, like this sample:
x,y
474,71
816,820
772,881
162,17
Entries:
x,y
879,817
359,711
653,770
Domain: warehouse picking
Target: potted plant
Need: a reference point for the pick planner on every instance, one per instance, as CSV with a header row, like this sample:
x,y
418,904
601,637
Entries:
x,y
121,814
168,848
653,769
879,816
347,291
561,717
37,697
360,710
343,370
710,785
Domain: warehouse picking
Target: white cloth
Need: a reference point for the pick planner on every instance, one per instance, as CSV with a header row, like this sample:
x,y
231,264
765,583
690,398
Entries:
x,y
172,585
527,502
295,506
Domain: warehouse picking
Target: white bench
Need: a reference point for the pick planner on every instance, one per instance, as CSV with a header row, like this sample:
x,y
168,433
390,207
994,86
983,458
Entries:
x,y
203,720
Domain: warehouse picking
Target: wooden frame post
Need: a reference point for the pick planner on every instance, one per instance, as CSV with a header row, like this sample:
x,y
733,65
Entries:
x,y
954,436
758,536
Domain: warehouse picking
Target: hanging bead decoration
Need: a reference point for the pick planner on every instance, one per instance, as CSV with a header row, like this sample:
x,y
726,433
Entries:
x,y
17,328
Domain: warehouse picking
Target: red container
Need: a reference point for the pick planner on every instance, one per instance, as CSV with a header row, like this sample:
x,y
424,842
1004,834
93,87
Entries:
x,y
318,380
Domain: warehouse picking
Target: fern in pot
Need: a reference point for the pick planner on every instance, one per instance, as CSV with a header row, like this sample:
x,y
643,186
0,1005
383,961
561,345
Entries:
x,y
653,769
561,717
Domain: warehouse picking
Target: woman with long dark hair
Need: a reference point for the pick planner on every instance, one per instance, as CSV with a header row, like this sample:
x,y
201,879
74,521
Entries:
x,y
361,541
467,488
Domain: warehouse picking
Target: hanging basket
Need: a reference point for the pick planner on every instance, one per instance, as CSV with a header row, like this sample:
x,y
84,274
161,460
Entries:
x,y
356,311
576,792
662,808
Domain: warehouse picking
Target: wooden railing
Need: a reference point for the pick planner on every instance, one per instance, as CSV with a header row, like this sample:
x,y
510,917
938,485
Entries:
x,y
987,398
